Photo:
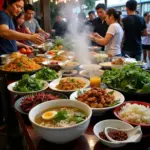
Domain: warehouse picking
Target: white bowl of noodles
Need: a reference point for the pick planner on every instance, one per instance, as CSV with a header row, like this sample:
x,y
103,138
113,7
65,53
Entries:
x,y
63,131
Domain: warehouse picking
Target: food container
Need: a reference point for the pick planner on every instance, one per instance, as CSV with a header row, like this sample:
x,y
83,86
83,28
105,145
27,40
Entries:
x,y
100,126
5,58
60,135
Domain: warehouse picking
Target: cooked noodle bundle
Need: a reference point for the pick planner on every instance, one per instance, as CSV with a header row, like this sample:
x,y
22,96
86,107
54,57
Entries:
x,y
21,64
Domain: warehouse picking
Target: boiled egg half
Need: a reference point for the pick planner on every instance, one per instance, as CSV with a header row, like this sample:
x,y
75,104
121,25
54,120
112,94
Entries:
x,y
49,115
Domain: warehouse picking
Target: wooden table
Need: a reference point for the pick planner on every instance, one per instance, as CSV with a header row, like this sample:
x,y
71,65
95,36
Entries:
x,y
88,141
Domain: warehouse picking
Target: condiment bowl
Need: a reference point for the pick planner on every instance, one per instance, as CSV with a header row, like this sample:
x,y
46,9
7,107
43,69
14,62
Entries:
x,y
100,127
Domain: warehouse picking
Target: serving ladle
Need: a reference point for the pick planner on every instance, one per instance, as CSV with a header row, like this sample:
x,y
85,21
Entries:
x,y
134,135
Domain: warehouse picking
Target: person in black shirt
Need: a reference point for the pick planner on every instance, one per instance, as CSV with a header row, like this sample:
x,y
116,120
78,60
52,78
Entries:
x,y
99,24
91,16
82,22
60,26
134,27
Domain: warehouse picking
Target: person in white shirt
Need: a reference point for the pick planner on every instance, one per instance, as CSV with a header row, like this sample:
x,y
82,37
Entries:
x,y
112,40
146,39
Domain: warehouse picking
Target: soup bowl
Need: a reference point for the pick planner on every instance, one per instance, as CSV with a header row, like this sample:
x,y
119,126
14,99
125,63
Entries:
x,y
60,135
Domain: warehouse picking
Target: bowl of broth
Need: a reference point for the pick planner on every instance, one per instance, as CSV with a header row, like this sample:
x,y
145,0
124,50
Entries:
x,y
60,121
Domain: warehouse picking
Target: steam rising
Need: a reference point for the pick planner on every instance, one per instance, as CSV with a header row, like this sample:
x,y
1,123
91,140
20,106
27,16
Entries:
x,y
78,35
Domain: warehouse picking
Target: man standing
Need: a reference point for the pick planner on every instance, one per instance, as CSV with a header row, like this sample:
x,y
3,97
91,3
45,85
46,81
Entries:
x,y
134,27
99,24
60,26
31,22
91,16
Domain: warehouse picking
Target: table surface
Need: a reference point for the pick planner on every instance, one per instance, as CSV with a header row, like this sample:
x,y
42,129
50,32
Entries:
x,y
88,141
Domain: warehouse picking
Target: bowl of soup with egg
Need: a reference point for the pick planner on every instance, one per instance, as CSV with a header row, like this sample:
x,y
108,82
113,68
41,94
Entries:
x,y
60,121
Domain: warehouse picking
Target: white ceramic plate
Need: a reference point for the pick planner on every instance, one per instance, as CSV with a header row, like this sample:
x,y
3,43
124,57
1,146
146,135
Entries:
x,y
59,52
59,76
46,63
106,64
90,67
54,83
86,74
12,85
63,65
101,111
71,73
41,55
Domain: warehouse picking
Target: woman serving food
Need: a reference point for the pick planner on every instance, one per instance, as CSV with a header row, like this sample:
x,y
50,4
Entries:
x,y
8,35
112,40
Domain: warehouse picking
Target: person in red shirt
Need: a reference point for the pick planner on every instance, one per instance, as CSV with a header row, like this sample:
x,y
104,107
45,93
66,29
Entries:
x,y
20,27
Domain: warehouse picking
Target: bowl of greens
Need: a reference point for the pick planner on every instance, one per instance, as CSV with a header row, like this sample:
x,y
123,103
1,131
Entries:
x,y
47,74
130,79
27,85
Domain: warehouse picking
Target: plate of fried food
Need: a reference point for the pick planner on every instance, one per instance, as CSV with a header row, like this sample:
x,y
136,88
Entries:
x,y
99,99
69,84
118,62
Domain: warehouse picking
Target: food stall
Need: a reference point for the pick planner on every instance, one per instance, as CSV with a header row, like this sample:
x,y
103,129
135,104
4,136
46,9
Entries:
x,y
63,104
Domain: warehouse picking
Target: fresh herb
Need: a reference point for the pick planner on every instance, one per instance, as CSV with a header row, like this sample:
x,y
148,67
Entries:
x,y
61,115
130,79
46,74
80,92
72,80
19,64
111,93
79,114
28,84
78,117
114,103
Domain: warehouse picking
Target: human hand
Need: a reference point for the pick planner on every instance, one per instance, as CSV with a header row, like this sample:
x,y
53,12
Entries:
x,y
35,38
47,35
27,47
96,35
91,36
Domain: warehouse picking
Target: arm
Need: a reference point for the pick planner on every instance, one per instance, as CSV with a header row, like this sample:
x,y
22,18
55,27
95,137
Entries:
x,y
9,34
103,41
97,35
122,40
21,45
39,30
144,27
27,30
